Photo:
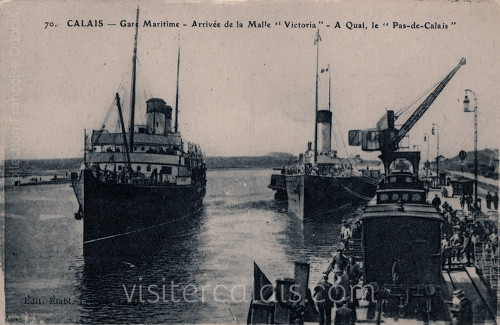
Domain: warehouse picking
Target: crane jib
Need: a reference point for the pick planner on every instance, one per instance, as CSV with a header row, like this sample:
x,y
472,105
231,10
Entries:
x,y
385,137
424,106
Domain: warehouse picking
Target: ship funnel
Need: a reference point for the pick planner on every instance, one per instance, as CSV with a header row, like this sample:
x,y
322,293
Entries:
x,y
324,120
158,116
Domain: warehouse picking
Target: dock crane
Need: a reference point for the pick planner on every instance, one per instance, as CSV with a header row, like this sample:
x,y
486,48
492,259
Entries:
x,y
386,137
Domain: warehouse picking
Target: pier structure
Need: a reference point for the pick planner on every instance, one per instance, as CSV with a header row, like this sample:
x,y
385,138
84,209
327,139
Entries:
x,y
479,279
483,274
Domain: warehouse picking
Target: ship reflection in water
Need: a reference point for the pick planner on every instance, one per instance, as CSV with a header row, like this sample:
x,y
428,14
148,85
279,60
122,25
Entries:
x,y
239,224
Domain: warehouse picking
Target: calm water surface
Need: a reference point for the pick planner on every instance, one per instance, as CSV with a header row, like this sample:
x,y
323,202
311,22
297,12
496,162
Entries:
x,y
48,280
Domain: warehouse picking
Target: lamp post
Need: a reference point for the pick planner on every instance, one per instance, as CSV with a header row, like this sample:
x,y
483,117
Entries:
x,y
437,149
427,164
467,109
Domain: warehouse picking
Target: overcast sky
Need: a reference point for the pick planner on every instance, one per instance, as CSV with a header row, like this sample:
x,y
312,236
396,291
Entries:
x,y
246,91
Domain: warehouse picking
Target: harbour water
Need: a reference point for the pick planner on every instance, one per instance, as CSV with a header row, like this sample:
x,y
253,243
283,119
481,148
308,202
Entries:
x,y
202,273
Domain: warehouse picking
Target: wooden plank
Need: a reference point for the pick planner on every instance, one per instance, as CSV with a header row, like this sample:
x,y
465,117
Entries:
x,y
262,312
283,295
301,276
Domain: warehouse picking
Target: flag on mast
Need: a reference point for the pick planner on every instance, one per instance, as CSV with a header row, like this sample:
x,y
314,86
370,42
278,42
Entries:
x,y
318,38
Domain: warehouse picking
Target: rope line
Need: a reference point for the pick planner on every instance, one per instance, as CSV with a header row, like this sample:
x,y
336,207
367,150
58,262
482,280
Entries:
x,y
326,212
108,114
363,197
341,138
145,228
404,109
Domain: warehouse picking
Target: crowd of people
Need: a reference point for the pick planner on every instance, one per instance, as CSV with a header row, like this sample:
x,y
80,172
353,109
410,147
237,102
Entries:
x,y
468,201
347,274
492,199
461,235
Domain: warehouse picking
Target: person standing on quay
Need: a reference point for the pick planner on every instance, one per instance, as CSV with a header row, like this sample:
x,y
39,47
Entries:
x,y
467,247
436,202
462,201
343,314
338,264
468,200
495,200
489,198
345,234
445,252
323,297
353,271
461,310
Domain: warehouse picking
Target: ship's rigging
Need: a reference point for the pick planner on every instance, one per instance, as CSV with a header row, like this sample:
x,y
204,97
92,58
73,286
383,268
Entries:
x,y
140,91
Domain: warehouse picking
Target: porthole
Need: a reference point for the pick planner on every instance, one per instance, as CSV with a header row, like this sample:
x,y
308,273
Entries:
x,y
416,197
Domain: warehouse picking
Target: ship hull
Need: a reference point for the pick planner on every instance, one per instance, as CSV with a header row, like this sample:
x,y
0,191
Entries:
x,y
312,196
123,218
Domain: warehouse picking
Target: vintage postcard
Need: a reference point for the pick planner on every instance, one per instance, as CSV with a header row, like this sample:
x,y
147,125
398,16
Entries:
x,y
249,162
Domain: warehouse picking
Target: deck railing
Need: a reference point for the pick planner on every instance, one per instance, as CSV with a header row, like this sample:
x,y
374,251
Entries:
x,y
486,260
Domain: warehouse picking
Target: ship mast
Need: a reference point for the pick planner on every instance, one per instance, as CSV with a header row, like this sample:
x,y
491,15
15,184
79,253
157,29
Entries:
x,y
132,99
177,90
123,131
329,88
316,42
85,147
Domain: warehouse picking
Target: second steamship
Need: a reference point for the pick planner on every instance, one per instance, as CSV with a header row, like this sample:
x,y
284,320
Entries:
x,y
137,184
321,181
